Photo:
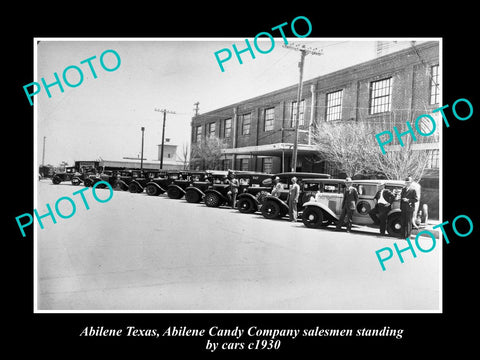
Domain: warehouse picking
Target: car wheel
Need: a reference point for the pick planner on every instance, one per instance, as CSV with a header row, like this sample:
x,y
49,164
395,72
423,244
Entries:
x,y
312,217
246,205
133,188
394,225
151,190
56,180
174,193
212,200
192,196
270,210
88,182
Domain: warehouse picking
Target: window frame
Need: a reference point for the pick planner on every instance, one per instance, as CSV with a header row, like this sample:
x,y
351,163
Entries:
x,y
377,106
334,114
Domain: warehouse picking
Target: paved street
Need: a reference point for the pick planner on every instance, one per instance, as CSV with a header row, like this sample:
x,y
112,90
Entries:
x,y
137,252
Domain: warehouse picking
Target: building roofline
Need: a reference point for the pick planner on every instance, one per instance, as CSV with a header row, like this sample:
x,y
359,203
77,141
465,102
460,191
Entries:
x,y
357,68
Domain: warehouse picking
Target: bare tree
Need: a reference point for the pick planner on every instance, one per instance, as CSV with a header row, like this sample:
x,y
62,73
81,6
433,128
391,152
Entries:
x,y
209,150
344,143
185,155
353,148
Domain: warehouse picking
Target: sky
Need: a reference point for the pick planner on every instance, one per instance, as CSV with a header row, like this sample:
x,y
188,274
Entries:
x,y
102,117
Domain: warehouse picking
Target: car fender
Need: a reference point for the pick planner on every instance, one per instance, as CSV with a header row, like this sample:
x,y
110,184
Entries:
x,y
176,186
121,182
216,192
202,194
248,195
136,182
280,202
394,211
322,206
155,184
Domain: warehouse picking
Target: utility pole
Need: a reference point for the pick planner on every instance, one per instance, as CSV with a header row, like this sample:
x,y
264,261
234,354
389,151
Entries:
x,y
196,108
141,156
43,152
163,132
303,52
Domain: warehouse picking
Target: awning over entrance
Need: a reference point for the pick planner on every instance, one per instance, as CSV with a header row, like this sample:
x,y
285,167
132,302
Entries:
x,y
270,149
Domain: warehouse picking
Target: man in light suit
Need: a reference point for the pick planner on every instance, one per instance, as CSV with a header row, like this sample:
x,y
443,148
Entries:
x,y
350,199
293,200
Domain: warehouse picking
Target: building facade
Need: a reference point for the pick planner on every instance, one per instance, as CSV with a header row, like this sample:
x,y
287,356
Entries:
x,y
392,89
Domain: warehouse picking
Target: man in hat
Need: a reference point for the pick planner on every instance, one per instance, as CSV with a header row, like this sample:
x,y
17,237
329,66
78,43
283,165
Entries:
x,y
408,198
293,200
277,187
350,199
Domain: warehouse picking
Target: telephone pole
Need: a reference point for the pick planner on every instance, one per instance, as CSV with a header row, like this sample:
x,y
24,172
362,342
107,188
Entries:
x,y
43,152
196,108
303,52
163,132
141,156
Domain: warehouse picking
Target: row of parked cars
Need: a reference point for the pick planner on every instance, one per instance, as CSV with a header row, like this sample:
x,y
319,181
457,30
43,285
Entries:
x,y
319,201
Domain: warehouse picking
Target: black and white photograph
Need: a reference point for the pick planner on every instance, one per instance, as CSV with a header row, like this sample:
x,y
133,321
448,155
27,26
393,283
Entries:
x,y
221,180
227,181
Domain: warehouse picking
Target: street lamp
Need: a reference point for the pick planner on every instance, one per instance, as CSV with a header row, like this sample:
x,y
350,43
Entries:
x,y
141,157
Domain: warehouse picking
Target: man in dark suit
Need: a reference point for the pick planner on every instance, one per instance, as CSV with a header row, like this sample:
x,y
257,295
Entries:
x,y
408,198
350,199
384,199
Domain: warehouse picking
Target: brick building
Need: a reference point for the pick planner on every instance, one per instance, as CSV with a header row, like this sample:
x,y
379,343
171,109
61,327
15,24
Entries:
x,y
390,90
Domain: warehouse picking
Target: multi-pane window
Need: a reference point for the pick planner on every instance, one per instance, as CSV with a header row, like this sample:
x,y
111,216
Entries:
x,y
211,129
269,118
227,130
294,113
246,118
433,159
380,96
198,133
244,164
334,105
434,85
267,165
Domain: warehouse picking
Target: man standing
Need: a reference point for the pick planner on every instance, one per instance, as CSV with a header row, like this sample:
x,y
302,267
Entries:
x,y
234,189
408,198
293,200
350,199
384,198
277,187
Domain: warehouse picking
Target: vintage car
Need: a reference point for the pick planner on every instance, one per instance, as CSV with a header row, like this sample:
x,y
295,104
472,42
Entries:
x,y
324,206
125,177
109,176
141,178
218,193
70,174
196,191
178,187
277,206
159,183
